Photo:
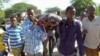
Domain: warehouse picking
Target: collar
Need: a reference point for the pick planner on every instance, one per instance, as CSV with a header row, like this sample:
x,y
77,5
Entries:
x,y
73,22
93,19
14,28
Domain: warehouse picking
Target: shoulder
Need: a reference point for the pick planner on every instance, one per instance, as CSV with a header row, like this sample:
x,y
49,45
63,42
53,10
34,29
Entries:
x,y
8,28
18,27
26,20
85,19
78,22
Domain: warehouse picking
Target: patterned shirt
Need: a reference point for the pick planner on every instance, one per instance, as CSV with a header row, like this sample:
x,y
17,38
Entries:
x,y
26,23
34,38
15,36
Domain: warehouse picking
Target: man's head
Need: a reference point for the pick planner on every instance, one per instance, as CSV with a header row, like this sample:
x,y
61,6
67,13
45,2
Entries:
x,y
13,21
91,10
70,11
58,13
31,14
82,15
20,17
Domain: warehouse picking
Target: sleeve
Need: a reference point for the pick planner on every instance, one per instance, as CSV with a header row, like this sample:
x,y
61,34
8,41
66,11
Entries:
x,y
80,40
6,36
81,25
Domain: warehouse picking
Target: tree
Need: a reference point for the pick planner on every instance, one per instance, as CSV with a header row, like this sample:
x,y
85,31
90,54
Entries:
x,y
98,10
81,5
2,16
52,10
21,7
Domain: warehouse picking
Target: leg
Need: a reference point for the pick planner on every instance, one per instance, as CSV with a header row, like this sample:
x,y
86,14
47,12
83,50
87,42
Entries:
x,y
88,51
16,51
50,46
29,54
52,43
45,49
22,53
95,52
39,54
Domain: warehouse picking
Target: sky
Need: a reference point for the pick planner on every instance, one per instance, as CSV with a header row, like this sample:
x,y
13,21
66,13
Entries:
x,y
44,4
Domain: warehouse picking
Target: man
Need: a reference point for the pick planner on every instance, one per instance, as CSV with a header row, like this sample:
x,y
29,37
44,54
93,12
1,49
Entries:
x,y
20,19
28,19
82,15
35,35
91,26
70,30
14,37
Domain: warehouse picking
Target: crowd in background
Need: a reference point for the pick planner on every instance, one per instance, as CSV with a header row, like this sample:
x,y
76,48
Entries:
x,y
37,36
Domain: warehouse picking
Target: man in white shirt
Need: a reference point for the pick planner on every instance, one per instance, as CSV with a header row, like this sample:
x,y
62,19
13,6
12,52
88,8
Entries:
x,y
91,27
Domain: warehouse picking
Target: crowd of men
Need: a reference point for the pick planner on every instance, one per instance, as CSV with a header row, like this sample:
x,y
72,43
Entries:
x,y
33,36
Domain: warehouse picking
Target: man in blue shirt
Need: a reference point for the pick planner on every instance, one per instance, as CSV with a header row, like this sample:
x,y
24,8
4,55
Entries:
x,y
70,30
34,36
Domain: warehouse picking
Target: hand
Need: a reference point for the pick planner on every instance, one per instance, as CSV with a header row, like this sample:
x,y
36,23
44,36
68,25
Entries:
x,y
85,32
9,48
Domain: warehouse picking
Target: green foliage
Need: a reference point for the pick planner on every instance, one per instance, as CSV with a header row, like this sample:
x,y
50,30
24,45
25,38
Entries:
x,y
2,16
52,10
62,13
20,7
81,5
98,10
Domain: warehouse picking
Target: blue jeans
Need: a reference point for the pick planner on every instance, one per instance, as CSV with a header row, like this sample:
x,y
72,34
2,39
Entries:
x,y
1,53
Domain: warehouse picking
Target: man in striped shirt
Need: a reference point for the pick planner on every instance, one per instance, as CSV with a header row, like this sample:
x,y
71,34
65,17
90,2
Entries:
x,y
15,37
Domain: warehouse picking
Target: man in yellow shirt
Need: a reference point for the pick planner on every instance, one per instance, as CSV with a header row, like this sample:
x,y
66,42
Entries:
x,y
1,42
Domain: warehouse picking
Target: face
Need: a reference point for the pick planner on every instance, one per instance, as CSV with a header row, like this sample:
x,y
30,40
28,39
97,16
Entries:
x,y
91,11
20,18
70,13
82,16
13,21
31,14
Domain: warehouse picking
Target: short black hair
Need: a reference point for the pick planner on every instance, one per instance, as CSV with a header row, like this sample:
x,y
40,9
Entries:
x,y
12,17
69,8
29,9
19,14
91,6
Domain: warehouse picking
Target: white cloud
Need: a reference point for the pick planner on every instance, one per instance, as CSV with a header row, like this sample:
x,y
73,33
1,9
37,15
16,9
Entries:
x,y
97,1
43,4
